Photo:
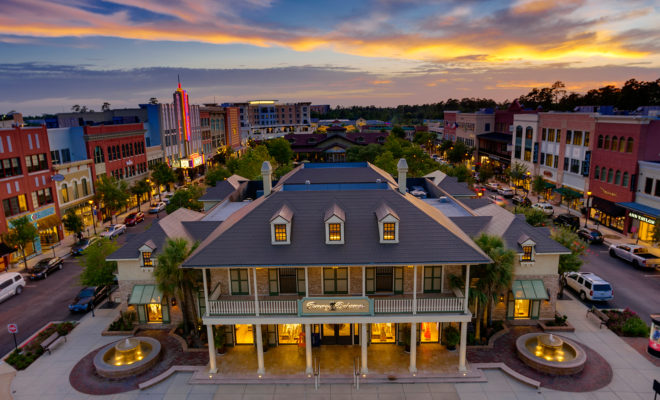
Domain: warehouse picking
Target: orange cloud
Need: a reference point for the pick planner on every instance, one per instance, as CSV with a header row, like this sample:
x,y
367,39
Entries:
x,y
380,82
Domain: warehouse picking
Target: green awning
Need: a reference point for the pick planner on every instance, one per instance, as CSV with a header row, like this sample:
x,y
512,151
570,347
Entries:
x,y
146,294
568,192
532,289
549,185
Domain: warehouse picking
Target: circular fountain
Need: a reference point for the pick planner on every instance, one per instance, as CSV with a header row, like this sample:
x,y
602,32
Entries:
x,y
551,354
127,357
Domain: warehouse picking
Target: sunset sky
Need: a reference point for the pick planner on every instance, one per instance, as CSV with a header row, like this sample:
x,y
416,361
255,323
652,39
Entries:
x,y
57,53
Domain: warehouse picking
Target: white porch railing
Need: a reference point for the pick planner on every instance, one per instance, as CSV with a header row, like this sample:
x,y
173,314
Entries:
x,y
246,307
385,306
442,304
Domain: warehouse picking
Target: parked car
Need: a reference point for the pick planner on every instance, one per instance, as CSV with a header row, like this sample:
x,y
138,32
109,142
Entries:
x,y
589,286
80,246
492,186
639,256
521,201
113,230
11,283
545,207
89,297
157,207
418,191
568,220
45,267
497,199
167,198
479,189
590,235
506,192
134,218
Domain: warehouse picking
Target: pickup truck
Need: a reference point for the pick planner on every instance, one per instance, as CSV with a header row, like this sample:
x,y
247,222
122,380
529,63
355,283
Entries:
x,y
639,256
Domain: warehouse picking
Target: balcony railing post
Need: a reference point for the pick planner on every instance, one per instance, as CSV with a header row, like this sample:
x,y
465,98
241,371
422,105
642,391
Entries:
x,y
414,305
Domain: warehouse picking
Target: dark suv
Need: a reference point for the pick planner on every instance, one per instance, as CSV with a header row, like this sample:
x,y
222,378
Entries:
x,y
568,220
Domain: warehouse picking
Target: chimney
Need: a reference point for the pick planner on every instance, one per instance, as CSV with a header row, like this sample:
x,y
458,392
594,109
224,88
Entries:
x,y
267,174
402,167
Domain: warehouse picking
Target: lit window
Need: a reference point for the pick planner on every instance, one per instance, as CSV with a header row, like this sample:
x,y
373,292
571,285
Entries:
x,y
527,253
389,232
280,232
334,232
146,259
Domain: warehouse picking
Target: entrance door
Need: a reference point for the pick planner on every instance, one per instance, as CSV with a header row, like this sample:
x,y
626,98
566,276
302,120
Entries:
x,y
336,334
384,279
288,281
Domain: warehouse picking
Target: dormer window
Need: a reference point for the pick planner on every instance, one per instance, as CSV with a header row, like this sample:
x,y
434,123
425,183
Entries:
x,y
334,225
527,245
146,259
280,226
146,252
527,253
388,224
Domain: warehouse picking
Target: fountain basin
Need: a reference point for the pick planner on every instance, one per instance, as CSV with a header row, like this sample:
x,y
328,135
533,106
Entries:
x,y
127,357
551,354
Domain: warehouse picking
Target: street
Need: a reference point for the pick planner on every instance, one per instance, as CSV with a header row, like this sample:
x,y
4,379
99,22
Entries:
x,y
636,289
47,300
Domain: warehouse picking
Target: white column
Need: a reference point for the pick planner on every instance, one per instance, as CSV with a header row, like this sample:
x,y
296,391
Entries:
x,y
467,289
306,282
213,368
363,341
256,294
308,349
364,281
414,305
260,350
413,348
462,348
206,293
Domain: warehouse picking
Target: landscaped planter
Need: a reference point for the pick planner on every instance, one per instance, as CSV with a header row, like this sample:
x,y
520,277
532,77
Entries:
x,y
31,349
565,328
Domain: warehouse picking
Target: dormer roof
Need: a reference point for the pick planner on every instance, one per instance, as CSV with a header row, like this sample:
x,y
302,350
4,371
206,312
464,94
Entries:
x,y
336,211
384,210
525,240
284,212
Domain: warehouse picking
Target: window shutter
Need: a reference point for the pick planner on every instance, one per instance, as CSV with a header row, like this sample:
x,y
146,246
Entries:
x,y
370,276
398,280
142,317
272,282
300,276
536,305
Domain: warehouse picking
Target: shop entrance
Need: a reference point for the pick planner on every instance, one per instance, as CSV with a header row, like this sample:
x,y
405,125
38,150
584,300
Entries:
x,y
336,334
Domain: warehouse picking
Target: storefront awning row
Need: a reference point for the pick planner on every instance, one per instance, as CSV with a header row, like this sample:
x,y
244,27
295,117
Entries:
x,y
641,209
145,294
530,289
568,192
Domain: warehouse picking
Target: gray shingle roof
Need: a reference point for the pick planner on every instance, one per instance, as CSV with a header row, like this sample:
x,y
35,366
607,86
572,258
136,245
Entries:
x,y
540,235
334,175
472,226
474,204
454,187
219,192
425,235
130,249
335,210
200,230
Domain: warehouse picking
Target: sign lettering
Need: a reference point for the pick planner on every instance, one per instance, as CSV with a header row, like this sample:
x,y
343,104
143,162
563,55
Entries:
x,y
328,306
641,218
607,192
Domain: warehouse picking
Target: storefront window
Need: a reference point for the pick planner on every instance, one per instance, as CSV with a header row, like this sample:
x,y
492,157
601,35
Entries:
x,y
154,313
645,231
430,332
244,334
521,310
383,333
289,333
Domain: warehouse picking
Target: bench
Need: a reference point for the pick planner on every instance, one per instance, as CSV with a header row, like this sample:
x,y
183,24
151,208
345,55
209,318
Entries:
x,y
51,341
600,315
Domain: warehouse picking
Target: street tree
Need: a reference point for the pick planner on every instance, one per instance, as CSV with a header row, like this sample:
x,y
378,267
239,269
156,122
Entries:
x,y
538,184
162,174
517,173
458,153
249,165
178,282
112,193
485,173
398,132
139,189
186,198
96,270
280,150
568,262
75,108
22,233
216,174
73,222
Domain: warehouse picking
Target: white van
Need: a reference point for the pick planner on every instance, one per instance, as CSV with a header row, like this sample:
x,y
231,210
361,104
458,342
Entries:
x,y
11,283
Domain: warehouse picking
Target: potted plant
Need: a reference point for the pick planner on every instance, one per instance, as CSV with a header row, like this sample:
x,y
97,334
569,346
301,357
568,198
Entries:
x,y
220,339
451,337
404,336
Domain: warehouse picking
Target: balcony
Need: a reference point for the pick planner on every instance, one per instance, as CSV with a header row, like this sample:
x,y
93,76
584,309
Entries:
x,y
288,305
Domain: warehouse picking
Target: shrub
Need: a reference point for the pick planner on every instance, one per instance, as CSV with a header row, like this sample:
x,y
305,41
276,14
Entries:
x,y
452,336
635,326
125,322
559,321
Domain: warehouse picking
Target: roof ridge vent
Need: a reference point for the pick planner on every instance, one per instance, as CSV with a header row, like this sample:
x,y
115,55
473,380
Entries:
x,y
307,182
378,180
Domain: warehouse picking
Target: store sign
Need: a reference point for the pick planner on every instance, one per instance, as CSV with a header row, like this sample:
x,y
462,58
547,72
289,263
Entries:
x,y
535,157
37,215
547,173
641,218
607,192
586,164
335,306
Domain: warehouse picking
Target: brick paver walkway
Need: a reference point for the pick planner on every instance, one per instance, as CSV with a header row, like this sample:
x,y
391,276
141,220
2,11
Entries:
x,y
84,379
597,372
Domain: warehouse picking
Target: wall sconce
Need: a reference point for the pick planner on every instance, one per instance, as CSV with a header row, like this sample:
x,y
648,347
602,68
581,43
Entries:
x,y
173,301
501,298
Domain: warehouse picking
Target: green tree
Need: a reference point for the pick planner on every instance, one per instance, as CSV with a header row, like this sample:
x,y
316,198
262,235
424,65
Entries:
x,y
187,198
139,189
517,173
419,162
425,139
496,277
364,153
398,132
538,185
485,173
457,153
280,150
73,222
249,165
533,216
162,174
216,174
96,270
179,282
20,235
112,193
573,261
387,162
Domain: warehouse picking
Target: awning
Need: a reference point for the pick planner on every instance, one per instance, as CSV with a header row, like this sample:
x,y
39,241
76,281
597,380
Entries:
x,y
607,207
549,185
48,222
641,208
532,289
568,192
4,249
146,294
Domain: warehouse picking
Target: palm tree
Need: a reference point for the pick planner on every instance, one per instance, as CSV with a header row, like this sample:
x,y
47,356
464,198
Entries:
x,y
517,173
140,188
495,277
179,282
538,185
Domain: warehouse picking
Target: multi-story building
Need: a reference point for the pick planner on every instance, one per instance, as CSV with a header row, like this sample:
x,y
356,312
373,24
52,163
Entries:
x,y
268,119
469,125
208,151
644,212
11,120
182,140
27,184
117,150
621,142
525,142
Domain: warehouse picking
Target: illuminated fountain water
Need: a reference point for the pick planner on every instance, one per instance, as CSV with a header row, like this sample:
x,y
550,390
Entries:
x,y
127,357
551,354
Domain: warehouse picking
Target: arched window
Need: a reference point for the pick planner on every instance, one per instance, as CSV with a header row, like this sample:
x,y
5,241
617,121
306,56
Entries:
x,y
617,178
603,174
606,146
76,194
65,193
610,175
622,145
615,143
596,173
629,146
624,183
84,185
98,155
600,141
518,142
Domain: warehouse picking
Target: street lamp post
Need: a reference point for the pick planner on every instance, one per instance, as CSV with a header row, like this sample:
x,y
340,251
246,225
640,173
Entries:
x,y
91,210
586,217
